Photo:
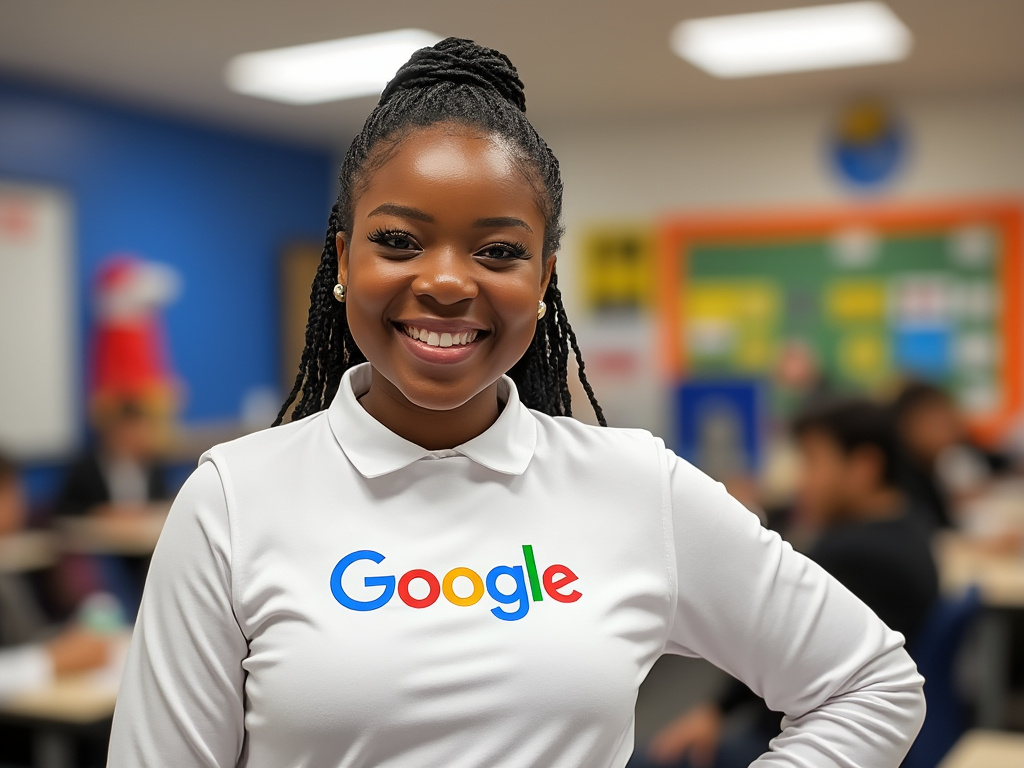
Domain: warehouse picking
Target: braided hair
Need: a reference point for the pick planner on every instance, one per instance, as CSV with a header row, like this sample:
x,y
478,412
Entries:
x,y
455,81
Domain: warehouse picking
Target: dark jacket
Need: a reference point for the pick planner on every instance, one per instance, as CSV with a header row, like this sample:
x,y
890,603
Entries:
x,y
85,486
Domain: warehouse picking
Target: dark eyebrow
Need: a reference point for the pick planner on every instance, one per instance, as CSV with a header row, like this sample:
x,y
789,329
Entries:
x,y
502,221
401,210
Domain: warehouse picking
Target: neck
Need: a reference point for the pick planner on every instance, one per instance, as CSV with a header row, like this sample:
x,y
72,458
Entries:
x,y
433,430
879,504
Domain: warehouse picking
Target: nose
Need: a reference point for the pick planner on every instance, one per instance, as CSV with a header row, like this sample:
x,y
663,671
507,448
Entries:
x,y
445,275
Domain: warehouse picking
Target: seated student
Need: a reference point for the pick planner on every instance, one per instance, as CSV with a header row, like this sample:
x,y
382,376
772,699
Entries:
x,y
868,538
928,424
31,653
943,466
120,475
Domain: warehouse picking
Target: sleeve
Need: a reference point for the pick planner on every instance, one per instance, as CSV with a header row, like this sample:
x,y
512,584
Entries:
x,y
770,617
23,669
181,698
873,585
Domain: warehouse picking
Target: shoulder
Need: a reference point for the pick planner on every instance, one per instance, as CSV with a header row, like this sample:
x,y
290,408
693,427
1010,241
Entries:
x,y
888,544
587,441
270,450
568,428
625,453
86,463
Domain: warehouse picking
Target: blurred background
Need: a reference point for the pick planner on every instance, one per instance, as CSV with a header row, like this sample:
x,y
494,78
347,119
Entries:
x,y
745,240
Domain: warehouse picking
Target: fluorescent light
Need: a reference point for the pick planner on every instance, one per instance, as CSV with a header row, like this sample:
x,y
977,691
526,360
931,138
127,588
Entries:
x,y
819,37
326,71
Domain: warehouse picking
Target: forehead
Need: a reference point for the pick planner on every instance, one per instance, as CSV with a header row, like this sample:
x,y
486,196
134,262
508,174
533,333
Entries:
x,y
820,442
453,168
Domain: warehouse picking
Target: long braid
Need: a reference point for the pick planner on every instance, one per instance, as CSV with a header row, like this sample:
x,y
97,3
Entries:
x,y
454,81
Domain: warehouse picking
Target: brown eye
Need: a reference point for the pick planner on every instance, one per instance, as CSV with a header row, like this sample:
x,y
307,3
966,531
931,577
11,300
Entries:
x,y
398,241
395,239
504,251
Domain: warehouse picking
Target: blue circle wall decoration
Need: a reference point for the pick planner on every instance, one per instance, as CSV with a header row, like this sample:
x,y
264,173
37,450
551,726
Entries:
x,y
869,144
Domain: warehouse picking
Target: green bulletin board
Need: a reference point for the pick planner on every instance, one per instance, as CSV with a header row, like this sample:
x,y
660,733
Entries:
x,y
874,295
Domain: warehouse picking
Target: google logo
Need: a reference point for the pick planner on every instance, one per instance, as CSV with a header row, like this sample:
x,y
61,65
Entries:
x,y
554,579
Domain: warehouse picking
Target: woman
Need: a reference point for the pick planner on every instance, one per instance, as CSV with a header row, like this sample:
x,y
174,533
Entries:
x,y
430,565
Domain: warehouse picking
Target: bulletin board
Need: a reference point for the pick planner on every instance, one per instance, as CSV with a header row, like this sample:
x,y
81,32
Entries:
x,y
297,268
617,268
875,293
38,322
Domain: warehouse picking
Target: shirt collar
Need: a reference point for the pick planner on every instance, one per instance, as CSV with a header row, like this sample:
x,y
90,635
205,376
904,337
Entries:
x,y
506,446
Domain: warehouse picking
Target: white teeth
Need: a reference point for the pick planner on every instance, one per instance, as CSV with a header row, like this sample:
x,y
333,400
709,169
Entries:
x,y
435,339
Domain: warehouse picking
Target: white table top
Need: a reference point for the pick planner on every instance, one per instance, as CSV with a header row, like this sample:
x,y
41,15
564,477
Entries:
x,y
963,561
987,749
27,551
80,698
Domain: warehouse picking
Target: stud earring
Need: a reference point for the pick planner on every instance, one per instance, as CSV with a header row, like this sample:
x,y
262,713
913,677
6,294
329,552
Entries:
x,y
542,309
339,292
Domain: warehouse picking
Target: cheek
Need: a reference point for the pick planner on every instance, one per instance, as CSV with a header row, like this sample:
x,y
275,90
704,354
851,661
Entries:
x,y
818,480
515,293
372,287
515,302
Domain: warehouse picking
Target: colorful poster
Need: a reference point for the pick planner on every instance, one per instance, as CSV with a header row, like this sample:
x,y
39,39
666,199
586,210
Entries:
x,y
867,297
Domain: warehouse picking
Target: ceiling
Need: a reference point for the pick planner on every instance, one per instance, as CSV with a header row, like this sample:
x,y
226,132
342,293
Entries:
x,y
581,60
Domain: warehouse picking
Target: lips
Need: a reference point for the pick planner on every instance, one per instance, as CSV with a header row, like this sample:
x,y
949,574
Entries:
x,y
437,341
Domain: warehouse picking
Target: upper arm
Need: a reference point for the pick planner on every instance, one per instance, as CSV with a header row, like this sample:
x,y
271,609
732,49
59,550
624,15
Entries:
x,y
777,621
181,700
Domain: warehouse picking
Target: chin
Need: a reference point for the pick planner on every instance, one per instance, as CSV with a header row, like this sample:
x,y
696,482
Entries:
x,y
434,395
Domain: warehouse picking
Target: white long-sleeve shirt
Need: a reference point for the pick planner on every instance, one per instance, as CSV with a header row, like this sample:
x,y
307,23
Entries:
x,y
326,593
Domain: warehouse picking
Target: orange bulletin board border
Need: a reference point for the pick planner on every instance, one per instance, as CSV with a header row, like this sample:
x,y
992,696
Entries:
x,y
677,234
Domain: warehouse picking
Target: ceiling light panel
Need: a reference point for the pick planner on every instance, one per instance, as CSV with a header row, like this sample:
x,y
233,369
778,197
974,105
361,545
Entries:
x,y
794,40
326,71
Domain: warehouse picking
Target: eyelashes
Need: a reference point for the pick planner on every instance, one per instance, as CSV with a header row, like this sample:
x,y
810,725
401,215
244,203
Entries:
x,y
514,250
400,240
392,238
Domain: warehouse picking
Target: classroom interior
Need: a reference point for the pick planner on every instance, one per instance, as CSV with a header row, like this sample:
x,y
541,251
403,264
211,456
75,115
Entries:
x,y
742,249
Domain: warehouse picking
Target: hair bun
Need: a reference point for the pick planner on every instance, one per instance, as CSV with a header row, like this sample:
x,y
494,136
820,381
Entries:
x,y
462,62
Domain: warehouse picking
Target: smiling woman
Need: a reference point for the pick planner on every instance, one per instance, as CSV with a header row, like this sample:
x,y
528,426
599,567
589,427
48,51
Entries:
x,y
432,424
446,241
447,221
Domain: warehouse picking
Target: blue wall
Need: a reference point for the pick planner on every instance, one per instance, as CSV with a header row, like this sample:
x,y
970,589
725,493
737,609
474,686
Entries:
x,y
216,205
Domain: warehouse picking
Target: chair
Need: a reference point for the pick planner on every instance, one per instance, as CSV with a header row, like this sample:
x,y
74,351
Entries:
x,y
935,652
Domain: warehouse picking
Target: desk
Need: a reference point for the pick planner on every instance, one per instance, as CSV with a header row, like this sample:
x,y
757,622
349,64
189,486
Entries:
x,y
987,749
962,562
27,551
70,705
1000,578
112,535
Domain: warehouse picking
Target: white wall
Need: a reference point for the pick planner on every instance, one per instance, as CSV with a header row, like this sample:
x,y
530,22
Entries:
x,y
959,148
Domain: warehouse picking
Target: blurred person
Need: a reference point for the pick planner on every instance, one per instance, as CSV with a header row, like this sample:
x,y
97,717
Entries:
x,y
868,539
943,466
32,653
119,475
432,563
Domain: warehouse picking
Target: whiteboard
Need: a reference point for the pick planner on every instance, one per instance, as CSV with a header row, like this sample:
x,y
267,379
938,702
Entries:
x,y
38,360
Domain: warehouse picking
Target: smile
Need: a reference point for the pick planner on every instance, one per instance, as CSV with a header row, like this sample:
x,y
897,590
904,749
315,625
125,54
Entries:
x,y
435,339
